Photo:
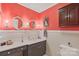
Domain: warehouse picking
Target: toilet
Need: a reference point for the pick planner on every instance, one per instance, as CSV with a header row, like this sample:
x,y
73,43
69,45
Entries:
x,y
68,51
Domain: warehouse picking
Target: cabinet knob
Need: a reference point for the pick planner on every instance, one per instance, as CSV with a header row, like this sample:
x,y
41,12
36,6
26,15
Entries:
x,y
8,52
70,16
21,48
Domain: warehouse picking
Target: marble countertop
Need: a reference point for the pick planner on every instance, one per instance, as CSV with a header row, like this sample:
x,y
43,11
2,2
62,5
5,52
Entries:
x,y
19,44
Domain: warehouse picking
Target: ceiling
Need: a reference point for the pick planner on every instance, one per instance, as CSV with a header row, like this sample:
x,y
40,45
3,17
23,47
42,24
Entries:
x,y
38,7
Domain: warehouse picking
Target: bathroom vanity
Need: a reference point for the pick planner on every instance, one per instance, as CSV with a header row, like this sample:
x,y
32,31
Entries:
x,y
36,49
21,45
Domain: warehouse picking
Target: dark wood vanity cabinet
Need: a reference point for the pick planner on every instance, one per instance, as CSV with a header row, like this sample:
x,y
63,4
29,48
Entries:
x,y
37,49
12,52
69,15
20,51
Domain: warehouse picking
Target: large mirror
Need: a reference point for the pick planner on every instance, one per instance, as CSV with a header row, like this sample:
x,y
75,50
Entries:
x,y
17,22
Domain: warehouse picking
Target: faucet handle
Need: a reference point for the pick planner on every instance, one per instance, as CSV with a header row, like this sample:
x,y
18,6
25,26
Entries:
x,y
69,44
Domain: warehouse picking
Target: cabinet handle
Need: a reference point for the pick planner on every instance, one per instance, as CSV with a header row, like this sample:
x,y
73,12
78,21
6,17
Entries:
x,y
21,48
70,16
8,52
66,16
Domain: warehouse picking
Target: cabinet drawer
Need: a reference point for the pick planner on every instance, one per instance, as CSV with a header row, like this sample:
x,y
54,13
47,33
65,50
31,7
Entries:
x,y
13,51
8,52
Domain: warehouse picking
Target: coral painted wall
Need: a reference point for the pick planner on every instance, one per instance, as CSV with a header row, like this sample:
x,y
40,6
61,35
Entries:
x,y
11,10
53,14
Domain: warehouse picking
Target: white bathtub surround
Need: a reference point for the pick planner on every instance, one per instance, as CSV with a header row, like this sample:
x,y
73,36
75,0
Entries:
x,y
68,51
17,37
57,37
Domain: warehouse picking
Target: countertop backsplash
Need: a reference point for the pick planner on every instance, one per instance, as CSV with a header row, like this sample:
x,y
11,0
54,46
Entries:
x,y
18,36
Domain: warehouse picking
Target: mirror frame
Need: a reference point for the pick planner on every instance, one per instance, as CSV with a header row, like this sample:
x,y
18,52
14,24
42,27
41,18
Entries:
x,y
20,23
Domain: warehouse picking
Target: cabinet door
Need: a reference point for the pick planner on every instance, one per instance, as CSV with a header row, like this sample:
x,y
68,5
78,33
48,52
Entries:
x,y
25,51
68,15
63,17
15,52
37,49
73,15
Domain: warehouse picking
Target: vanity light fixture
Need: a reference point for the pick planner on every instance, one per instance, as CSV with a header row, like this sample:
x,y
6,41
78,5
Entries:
x,y
26,24
6,23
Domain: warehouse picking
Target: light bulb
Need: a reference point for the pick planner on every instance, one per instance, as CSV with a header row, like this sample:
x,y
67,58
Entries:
x,y
6,21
